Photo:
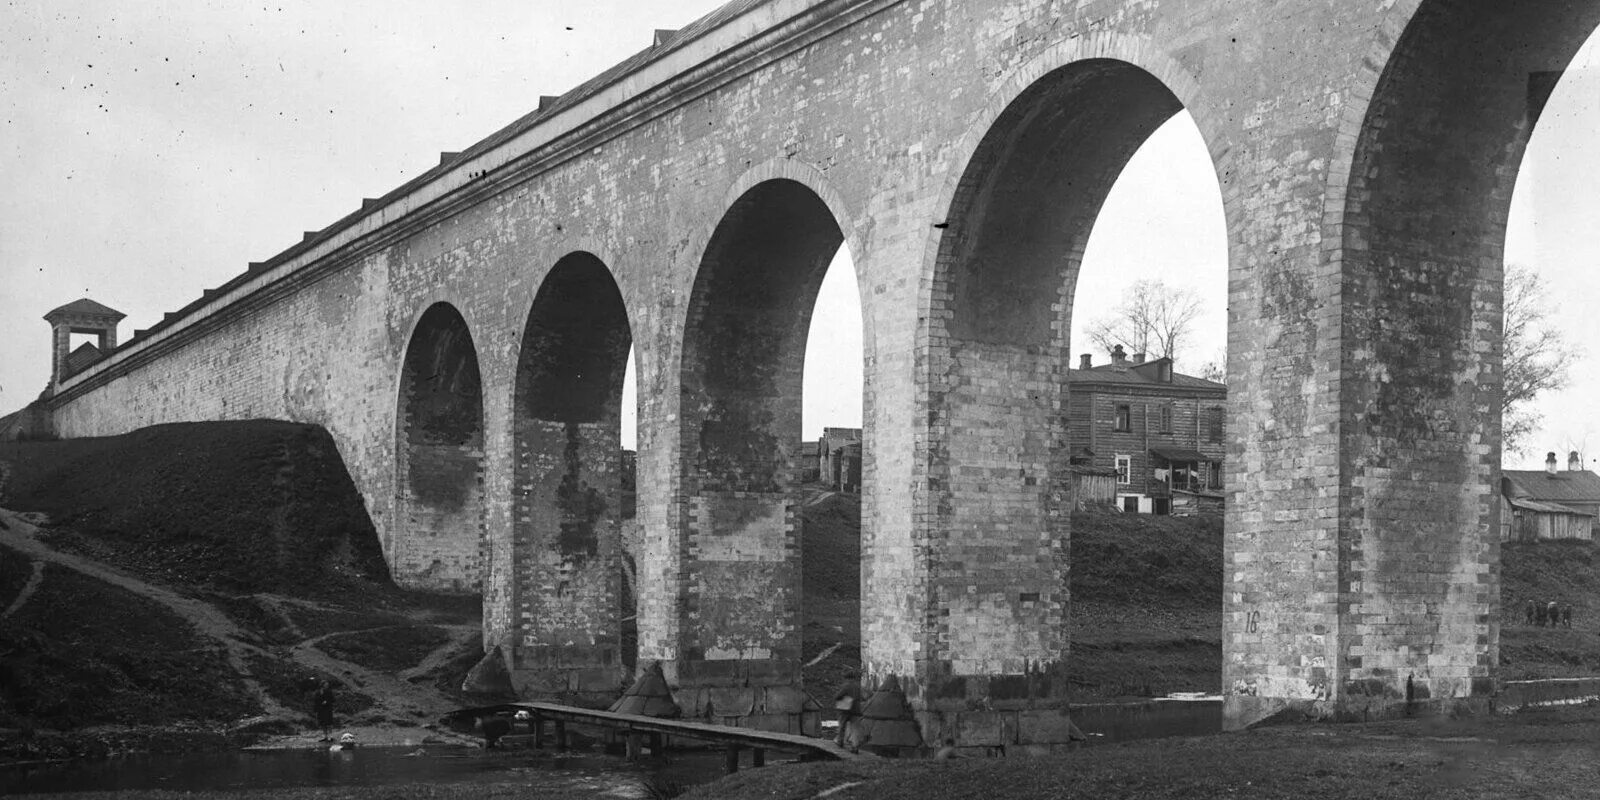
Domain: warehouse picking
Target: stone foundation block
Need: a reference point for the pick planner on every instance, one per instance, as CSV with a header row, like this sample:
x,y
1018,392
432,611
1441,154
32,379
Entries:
x,y
733,702
1046,726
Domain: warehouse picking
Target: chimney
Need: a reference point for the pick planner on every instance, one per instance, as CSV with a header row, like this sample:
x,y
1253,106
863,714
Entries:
x,y
1120,359
1550,464
1574,462
1084,360
1138,358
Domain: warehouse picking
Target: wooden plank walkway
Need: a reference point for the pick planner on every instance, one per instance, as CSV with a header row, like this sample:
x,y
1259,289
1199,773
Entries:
x,y
635,728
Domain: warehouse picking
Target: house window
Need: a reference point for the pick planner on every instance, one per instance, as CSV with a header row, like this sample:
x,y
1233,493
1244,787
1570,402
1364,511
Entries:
x,y
1124,469
1166,419
1124,418
1214,424
1215,475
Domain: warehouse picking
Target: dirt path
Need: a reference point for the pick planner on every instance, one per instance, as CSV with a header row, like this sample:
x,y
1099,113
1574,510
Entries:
x,y
399,700
21,533
459,636
27,590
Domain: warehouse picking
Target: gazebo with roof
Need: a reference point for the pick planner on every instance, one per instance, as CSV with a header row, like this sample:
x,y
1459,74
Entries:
x,y
80,316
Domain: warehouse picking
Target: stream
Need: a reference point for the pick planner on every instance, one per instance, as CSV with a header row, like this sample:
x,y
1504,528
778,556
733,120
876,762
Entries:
x,y
539,769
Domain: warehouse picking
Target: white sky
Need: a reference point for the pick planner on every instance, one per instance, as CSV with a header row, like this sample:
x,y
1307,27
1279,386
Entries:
x,y
152,150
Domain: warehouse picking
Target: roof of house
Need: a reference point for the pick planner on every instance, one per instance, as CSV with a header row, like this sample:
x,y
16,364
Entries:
x,y
1566,486
1145,374
85,355
1548,508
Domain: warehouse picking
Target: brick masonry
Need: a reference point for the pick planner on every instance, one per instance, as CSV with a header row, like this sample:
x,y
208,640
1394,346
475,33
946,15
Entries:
x,y
1364,152
567,490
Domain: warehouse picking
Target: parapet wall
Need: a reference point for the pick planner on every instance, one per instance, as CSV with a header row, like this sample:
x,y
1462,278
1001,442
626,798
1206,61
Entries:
x,y
319,356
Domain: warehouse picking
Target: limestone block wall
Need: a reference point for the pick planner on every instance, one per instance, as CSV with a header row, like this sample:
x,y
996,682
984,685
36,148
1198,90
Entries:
x,y
960,150
321,355
566,573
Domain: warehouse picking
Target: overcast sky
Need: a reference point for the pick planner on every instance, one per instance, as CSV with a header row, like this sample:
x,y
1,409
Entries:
x,y
152,150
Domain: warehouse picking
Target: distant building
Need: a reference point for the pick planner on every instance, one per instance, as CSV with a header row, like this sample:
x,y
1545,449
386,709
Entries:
x,y
839,459
1549,504
810,463
1160,432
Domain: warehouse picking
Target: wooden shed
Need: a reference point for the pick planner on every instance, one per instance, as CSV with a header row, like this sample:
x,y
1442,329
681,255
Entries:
x,y
1524,520
1093,487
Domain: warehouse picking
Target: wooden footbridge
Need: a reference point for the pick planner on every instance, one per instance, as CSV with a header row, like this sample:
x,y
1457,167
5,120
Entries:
x,y
638,732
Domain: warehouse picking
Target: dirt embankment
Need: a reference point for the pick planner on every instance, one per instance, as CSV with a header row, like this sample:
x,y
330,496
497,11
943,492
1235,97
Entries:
x,y
1146,611
1145,617
191,584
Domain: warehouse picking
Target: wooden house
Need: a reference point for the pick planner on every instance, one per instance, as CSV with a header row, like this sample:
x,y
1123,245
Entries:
x,y
1162,433
1550,504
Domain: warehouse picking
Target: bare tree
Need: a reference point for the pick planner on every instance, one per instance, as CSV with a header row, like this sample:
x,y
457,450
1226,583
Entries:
x,y
1154,319
1216,370
1538,357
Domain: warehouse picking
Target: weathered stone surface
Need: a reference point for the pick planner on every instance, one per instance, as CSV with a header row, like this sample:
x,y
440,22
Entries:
x,y
1365,155
489,677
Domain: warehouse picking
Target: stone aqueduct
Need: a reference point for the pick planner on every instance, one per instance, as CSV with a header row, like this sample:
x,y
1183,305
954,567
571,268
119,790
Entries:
x,y
464,339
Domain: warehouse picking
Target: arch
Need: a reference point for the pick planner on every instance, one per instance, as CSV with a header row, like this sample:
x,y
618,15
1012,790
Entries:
x,y
813,179
992,364
1136,50
1419,204
740,409
567,545
439,435
816,181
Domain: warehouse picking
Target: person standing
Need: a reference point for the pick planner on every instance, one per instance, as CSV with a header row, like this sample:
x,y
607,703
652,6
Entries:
x,y
323,704
848,703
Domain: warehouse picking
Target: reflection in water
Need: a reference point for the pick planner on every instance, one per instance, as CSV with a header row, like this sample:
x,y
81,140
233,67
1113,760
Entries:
x,y
370,766
537,769
1116,722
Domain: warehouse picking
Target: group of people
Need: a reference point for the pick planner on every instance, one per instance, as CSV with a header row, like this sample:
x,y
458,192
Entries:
x,y
1550,614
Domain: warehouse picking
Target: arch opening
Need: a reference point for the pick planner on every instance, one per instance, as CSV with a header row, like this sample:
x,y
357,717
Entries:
x,y
1549,245
568,513
439,438
1001,421
1148,496
832,475
1424,229
741,411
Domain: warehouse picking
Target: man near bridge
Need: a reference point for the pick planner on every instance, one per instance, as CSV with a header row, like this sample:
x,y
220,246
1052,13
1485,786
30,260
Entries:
x,y
323,704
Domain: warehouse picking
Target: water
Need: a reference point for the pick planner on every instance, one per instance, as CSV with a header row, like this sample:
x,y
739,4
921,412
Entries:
x,y
596,774
1116,722
368,766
